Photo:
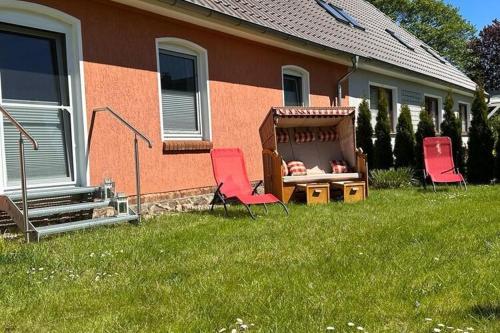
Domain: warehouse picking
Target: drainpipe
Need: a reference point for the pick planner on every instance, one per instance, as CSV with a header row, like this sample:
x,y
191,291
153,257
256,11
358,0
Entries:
x,y
355,62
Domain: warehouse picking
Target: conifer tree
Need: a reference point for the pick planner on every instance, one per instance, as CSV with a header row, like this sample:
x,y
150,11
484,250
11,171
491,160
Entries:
x,y
364,131
452,128
497,153
425,129
383,145
404,149
480,161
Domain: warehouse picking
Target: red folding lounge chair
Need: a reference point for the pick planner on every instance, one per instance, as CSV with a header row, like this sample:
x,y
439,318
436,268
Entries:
x,y
439,165
232,182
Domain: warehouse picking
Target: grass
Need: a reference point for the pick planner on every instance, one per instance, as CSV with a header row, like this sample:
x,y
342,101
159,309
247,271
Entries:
x,y
385,264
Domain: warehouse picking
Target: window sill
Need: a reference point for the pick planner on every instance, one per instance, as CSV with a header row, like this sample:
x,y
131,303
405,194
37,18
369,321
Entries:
x,y
186,146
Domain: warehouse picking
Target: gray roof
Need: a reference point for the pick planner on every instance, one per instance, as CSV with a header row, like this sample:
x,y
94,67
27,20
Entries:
x,y
307,20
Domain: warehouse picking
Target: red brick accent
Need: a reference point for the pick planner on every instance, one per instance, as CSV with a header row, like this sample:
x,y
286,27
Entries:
x,y
186,145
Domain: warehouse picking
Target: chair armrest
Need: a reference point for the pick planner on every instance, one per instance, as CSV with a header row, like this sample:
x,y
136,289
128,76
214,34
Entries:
x,y
452,169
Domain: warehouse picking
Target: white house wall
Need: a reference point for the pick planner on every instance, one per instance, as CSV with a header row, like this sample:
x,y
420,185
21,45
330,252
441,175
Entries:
x,y
359,87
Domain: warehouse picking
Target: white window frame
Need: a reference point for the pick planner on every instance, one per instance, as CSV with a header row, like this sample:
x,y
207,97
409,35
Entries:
x,y
298,72
36,16
395,111
469,115
440,110
183,46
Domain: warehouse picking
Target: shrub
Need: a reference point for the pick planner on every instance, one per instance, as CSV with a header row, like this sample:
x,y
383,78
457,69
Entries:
x,y
452,128
364,131
425,129
383,145
392,178
480,161
496,122
404,149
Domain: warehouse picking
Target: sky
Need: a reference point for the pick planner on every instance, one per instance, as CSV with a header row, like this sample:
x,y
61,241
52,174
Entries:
x,y
478,12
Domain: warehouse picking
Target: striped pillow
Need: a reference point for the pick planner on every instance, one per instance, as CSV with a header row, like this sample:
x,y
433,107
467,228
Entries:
x,y
297,168
282,136
284,168
327,135
304,136
339,166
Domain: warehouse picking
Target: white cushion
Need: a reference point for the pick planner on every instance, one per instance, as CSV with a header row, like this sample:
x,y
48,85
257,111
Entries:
x,y
321,178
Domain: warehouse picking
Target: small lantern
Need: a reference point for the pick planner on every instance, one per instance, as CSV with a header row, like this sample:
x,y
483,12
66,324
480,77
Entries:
x,y
109,189
120,203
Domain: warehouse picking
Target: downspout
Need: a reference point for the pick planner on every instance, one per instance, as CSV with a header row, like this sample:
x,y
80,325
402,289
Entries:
x,y
355,62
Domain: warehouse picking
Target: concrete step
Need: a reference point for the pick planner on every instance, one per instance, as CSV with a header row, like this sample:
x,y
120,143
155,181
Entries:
x,y
79,225
54,210
53,193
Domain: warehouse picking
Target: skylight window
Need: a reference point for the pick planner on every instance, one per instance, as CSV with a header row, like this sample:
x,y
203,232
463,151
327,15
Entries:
x,y
434,54
399,39
340,14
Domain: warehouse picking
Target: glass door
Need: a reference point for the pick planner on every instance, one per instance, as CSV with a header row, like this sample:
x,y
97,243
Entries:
x,y
34,89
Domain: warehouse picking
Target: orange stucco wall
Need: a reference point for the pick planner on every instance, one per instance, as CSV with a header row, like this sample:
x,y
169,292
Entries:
x,y
121,72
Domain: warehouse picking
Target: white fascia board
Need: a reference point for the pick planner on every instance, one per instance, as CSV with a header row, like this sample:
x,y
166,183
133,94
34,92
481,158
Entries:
x,y
237,30
416,79
249,33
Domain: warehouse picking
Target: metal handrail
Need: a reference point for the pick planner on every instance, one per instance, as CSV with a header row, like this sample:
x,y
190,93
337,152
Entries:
x,y
137,134
22,162
126,123
19,127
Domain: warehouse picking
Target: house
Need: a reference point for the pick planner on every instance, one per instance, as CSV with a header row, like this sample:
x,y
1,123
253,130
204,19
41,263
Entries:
x,y
189,75
494,104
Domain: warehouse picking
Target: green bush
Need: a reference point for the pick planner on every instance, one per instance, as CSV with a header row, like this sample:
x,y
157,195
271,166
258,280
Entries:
x,y
364,131
452,128
497,149
425,129
383,145
404,149
480,161
392,178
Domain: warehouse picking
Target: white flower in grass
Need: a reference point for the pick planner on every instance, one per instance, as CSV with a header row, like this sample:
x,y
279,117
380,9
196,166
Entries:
x,y
437,330
239,321
360,328
234,330
330,328
459,330
450,327
222,330
469,329
243,327
441,325
351,324
40,269
428,319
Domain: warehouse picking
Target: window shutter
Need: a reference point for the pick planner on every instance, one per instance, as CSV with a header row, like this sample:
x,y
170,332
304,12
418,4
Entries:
x,y
179,111
51,160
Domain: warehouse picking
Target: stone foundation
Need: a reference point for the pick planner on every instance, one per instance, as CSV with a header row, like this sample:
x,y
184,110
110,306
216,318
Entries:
x,y
178,201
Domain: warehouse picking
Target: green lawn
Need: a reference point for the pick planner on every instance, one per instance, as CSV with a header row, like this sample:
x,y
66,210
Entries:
x,y
386,264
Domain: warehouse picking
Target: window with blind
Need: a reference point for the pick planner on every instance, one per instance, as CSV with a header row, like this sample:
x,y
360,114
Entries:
x,y
292,86
432,107
463,113
34,89
375,92
179,93
295,86
183,75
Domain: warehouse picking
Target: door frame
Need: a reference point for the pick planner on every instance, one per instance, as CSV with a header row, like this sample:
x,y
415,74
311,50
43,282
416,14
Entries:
x,y
41,17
